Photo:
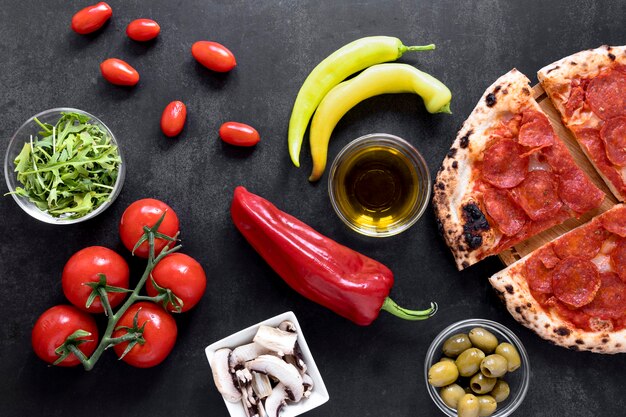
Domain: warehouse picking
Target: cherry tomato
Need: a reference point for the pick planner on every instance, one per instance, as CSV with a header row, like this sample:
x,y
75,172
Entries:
x,y
147,212
142,30
214,56
183,275
239,134
173,118
85,266
159,335
91,18
119,72
55,325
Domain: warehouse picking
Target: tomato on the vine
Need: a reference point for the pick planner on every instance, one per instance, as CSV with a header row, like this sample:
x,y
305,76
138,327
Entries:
x,y
147,212
85,266
181,274
213,56
55,325
159,335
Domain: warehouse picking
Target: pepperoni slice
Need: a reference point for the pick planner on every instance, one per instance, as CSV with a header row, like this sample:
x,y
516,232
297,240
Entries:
x,y
610,301
618,259
613,133
606,94
615,221
508,216
536,130
537,195
576,98
582,242
503,165
547,256
578,192
575,281
537,275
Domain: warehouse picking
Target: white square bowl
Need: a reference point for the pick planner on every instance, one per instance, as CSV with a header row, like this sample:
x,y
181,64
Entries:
x,y
319,395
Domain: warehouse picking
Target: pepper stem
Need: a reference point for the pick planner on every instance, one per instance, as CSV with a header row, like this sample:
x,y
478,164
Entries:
x,y
390,306
404,48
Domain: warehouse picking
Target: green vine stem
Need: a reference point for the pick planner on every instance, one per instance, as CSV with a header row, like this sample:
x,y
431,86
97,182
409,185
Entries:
x,y
107,341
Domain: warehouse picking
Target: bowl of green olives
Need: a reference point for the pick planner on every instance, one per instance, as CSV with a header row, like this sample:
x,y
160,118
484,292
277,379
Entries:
x,y
475,368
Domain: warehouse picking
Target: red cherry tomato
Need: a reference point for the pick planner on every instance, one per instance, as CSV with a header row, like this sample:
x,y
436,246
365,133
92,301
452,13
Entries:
x,y
239,134
214,56
173,118
142,30
183,275
85,266
55,325
159,334
147,212
91,18
119,72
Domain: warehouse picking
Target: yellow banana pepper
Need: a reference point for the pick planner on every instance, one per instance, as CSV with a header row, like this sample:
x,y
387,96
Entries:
x,y
375,80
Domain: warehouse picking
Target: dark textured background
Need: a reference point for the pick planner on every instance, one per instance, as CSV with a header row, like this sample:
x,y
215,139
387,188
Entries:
x,y
369,371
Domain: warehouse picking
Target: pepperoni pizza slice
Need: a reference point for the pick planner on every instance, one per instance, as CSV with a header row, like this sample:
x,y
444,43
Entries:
x,y
572,291
507,177
589,91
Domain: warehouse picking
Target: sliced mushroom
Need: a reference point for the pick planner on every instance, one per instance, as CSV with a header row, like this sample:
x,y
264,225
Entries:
x,y
243,376
261,385
297,359
276,340
287,326
246,353
307,382
285,372
275,402
222,376
262,412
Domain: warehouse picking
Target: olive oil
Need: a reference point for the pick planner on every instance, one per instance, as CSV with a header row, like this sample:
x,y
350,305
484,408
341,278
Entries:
x,y
377,187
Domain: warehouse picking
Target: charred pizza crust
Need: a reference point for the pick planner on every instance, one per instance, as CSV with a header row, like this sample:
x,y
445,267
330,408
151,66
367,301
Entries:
x,y
556,80
513,288
460,218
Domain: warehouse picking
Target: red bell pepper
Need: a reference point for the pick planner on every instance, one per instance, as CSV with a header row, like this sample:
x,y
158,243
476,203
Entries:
x,y
350,284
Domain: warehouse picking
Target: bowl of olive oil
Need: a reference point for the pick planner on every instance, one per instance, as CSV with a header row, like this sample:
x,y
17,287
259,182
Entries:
x,y
379,185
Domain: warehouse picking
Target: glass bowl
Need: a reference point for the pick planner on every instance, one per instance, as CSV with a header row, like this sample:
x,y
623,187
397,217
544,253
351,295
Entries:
x,y
22,135
319,395
518,380
379,185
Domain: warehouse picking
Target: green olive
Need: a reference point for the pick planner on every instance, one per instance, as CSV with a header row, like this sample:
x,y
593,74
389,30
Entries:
x,y
486,405
469,361
442,373
446,359
509,352
451,395
494,366
468,406
483,339
456,344
500,391
482,384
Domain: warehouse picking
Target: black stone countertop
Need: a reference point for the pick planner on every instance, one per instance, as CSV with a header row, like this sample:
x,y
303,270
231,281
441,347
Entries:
x,y
369,371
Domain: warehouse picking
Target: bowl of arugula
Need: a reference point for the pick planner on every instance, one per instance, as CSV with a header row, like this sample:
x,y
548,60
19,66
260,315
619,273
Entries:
x,y
64,166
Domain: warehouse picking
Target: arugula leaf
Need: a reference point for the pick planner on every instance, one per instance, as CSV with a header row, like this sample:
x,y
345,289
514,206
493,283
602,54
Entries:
x,y
69,173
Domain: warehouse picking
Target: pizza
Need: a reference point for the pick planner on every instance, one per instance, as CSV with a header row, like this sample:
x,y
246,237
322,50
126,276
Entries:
x,y
589,91
507,176
572,291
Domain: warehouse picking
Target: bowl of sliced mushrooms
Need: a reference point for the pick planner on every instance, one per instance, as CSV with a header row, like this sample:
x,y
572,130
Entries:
x,y
267,370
